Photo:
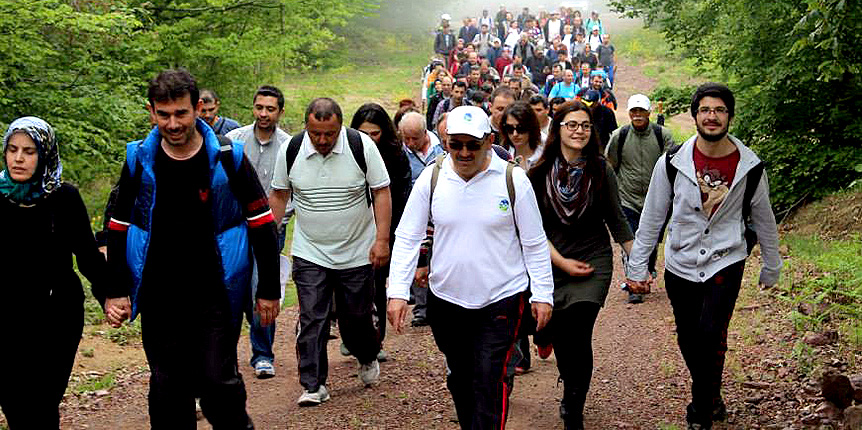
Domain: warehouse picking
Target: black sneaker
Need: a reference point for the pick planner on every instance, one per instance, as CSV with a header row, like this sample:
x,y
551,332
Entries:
x,y
635,298
719,412
418,322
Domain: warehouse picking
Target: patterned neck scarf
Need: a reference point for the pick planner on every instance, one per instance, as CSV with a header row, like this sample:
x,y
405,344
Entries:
x,y
563,186
46,178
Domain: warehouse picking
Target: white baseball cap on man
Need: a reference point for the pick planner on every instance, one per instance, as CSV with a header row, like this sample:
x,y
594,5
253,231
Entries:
x,y
639,101
470,120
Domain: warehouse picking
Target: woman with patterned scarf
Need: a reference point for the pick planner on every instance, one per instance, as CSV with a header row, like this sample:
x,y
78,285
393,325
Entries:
x,y
579,202
41,299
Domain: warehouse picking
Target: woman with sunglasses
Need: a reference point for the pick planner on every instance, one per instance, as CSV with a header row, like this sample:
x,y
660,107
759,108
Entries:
x,y
522,135
41,299
579,202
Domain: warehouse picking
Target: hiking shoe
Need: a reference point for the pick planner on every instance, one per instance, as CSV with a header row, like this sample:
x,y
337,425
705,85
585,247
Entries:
x,y
369,373
264,369
545,351
635,298
309,398
344,351
418,322
199,413
382,356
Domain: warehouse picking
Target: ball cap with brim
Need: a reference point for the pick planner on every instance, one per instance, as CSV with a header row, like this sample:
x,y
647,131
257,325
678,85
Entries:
x,y
595,27
446,16
592,96
470,120
639,101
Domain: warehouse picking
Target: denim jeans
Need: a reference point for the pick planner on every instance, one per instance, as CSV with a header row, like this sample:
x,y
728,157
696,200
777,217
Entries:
x,y
261,337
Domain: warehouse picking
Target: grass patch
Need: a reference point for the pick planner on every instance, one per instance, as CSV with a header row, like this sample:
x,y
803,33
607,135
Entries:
x,y
95,383
648,49
381,67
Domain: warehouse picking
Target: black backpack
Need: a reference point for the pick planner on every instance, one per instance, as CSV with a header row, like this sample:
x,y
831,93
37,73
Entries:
x,y
752,179
354,140
624,132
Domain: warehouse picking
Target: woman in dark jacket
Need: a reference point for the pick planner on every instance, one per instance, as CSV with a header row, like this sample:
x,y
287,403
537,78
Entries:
x,y
41,299
373,120
579,202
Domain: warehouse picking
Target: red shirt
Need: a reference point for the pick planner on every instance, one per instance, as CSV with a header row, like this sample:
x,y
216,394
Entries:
x,y
714,177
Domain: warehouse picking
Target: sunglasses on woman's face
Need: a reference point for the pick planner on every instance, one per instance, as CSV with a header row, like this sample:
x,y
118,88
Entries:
x,y
473,145
520,128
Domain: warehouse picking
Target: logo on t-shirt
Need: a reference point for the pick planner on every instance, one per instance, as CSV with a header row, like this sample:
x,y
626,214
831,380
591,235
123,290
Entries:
x,y
713,187
504,205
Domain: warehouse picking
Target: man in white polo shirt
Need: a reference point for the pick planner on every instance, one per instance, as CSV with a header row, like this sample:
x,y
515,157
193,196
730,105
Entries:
x,y
337,241
487,252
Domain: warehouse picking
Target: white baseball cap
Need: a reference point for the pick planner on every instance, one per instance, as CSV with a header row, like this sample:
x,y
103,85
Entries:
x,y
470,120
639,101
446,17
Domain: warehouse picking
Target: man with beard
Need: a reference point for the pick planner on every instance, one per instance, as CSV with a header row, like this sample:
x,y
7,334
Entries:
x,y
261,142
716,188
209,112
459,91
599,84
446,92
632,152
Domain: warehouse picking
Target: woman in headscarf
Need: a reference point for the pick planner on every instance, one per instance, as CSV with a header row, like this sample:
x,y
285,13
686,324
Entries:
x,y
579,202
41,299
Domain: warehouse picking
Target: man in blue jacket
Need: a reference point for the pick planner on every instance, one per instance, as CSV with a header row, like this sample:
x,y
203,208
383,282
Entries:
x,y
717,190
189,212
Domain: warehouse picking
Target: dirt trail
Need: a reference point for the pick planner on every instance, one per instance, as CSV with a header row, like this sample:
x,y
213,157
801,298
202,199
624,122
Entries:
x,y
639,380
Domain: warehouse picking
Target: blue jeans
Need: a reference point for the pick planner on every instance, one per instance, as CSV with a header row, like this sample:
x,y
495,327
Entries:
x,y
634,218
261,337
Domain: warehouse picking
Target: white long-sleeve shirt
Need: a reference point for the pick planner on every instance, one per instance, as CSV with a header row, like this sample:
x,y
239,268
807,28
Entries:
x,y
477,256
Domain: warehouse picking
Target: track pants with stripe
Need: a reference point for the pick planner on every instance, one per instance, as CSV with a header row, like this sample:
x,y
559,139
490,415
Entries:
x,y
478,345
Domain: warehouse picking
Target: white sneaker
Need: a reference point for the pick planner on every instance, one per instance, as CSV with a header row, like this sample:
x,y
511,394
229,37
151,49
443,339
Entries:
x,y
264,369
313,399
199,413
369,373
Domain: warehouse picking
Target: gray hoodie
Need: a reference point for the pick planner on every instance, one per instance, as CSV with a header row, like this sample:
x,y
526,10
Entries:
x,y
699,246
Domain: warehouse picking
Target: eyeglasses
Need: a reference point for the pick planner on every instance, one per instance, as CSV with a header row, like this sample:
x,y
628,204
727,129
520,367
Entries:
x,y
574,125
473,145
520,128
718,110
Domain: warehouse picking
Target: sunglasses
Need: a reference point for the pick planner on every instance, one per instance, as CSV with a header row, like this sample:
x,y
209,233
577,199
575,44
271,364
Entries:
x,y
473,145
520,128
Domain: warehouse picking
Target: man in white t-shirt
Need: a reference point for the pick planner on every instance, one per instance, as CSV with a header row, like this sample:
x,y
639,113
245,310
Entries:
x,y
487,252
341,234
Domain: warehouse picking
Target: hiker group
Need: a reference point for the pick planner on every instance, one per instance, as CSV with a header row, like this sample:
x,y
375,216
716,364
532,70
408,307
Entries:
x,y
490,206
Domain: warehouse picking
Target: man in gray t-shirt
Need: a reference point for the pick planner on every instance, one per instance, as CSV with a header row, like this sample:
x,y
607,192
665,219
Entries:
x,y
261,141
607,57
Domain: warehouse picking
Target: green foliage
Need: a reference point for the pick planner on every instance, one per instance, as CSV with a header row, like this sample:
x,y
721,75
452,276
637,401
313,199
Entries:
x,y
129,331
95,383
795,68
676,99
83,65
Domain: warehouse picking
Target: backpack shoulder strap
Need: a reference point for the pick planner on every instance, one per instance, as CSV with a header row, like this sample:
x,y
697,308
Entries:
x,y
621,140
293,149
656,129
671,170
435,175
751,182
510,188
226,156
354,140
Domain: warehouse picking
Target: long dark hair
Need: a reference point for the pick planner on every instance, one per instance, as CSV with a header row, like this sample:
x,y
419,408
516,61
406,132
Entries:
x,y
595,161
526,116
375,114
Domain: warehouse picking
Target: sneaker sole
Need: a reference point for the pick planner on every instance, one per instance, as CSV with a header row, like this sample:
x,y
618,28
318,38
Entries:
x,y
309,402
264,375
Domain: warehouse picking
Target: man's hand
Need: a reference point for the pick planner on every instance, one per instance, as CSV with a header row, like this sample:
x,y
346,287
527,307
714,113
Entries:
x,y
421,276
117,310
542,314
379,254
396,310
638,287
576,268
268,311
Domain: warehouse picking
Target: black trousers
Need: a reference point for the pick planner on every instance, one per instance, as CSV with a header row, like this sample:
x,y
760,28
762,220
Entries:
x,y
571,332
353,290
478,345
194,357
380,302
30,400
702,311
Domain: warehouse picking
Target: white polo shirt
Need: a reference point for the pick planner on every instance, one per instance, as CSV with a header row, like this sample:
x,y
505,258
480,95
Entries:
x,y
477,257
334,225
